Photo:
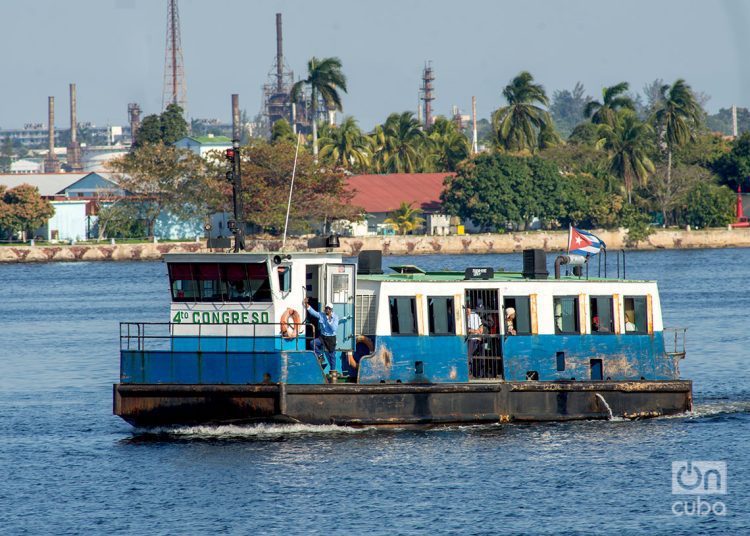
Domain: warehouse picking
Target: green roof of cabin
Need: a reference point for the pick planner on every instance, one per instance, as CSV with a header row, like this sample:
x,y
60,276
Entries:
x,y
212,140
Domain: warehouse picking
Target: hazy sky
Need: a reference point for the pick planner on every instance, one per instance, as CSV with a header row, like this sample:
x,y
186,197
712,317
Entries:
x,y
114,51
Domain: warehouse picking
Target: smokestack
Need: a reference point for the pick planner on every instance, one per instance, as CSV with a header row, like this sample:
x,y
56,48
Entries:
x,y
134,114
74,148
236,134
51,164
73,115
279,56
474,142
734,120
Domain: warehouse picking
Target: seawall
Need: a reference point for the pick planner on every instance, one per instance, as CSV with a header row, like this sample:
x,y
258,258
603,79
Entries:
x,y
391,245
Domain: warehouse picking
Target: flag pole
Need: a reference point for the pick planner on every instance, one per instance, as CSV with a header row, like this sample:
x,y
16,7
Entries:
x,y
570,234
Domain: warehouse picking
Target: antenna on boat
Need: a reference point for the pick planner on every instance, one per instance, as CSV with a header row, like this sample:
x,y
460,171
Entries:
x,y
291,188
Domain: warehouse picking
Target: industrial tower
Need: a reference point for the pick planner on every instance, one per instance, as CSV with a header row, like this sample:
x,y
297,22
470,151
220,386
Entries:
x,y
175,91
428,77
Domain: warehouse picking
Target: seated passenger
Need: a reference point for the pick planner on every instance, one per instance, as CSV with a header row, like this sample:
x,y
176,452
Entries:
x,y
629,324
239,292
510,319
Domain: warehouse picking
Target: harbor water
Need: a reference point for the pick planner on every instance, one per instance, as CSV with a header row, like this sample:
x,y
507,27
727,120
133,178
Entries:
x,y
68,466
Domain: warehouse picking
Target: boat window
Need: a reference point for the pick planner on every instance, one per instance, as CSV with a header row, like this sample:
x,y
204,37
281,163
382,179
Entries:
x,y
211,287
441,315
602,317
636,314
566,314
403,315
522,321
247,282
183,283
214,282
285,278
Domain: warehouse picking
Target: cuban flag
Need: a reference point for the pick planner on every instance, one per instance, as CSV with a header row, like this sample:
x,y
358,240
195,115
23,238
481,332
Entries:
x,y
584,243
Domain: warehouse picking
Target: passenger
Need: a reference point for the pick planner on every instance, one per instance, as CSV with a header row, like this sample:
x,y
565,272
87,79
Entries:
x,y
475,330
510,319
595,323
238,291
629,324
325,343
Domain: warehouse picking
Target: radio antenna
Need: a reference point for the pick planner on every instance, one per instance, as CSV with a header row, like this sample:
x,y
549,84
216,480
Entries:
x,y
291,188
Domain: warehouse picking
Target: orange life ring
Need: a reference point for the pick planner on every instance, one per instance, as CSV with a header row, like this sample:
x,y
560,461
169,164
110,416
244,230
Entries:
x,y
290,330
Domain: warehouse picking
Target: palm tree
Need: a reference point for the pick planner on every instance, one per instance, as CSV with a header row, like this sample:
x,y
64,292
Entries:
x,y
628,143
325,79
517,124
678,115
345,146
613,100
450,146
401,144
406,218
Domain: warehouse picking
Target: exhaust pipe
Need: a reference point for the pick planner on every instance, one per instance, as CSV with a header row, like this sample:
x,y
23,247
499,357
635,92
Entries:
x,y
572,260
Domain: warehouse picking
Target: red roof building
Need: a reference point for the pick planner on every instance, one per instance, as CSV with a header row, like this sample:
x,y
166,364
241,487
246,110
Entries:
x,y
385,193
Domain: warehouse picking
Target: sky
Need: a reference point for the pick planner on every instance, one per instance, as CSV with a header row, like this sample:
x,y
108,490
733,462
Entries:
x,y
113,50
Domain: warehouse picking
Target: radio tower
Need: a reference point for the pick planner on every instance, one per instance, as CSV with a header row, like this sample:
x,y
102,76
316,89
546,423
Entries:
x,y
427,78
175,91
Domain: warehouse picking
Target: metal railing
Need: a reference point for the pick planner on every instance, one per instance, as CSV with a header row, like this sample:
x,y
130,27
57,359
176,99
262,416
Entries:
x,y
485,356
674,341
167,336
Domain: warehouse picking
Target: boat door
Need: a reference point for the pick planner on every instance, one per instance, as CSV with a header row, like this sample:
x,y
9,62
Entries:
x,y
484,338
340,280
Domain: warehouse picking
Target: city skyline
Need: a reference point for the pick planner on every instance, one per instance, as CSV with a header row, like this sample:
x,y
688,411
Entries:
x,y
114,51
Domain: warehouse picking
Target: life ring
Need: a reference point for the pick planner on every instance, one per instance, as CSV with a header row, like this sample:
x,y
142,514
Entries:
x,y
289,330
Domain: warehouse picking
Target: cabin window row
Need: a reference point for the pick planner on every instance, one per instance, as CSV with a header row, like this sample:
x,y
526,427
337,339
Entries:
x,y
225,282
602,315
516,313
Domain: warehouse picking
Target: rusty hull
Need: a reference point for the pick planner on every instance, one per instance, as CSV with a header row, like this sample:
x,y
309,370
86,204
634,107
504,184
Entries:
x,y
399,404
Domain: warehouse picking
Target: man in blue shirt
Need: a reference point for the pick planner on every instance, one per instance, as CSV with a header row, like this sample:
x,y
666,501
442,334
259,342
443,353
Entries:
x,y
325,343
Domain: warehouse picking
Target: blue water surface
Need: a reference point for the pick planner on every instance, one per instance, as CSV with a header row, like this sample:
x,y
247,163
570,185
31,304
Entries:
x,y
67,466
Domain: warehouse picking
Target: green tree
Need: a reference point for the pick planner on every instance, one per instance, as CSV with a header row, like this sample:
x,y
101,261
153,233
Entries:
x,y
166,179
709,205
319,196
567,108
734,166
120,219
23,210
282,131
678,116
628,143
345,146
517,124
325,79
496,190
168,127
584,134
400,144
406,218
449,145
613,100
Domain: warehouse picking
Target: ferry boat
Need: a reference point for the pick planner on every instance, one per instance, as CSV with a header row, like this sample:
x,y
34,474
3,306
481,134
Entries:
x,y
413,347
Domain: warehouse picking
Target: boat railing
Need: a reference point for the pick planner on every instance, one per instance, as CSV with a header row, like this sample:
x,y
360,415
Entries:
x,y
674,342
256,338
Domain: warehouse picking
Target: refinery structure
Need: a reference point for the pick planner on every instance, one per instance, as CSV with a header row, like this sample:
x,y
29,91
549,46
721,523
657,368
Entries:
x,y
69,149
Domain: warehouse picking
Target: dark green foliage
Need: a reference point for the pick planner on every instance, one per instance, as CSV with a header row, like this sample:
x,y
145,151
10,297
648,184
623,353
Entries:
x,y
709,205
637,222
496,190
614,99
166,128
567,109
584,134
588,202
734,167
518,124
283,131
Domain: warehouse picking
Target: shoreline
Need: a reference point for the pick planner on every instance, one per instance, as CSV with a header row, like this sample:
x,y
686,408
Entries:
x,y
550,241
